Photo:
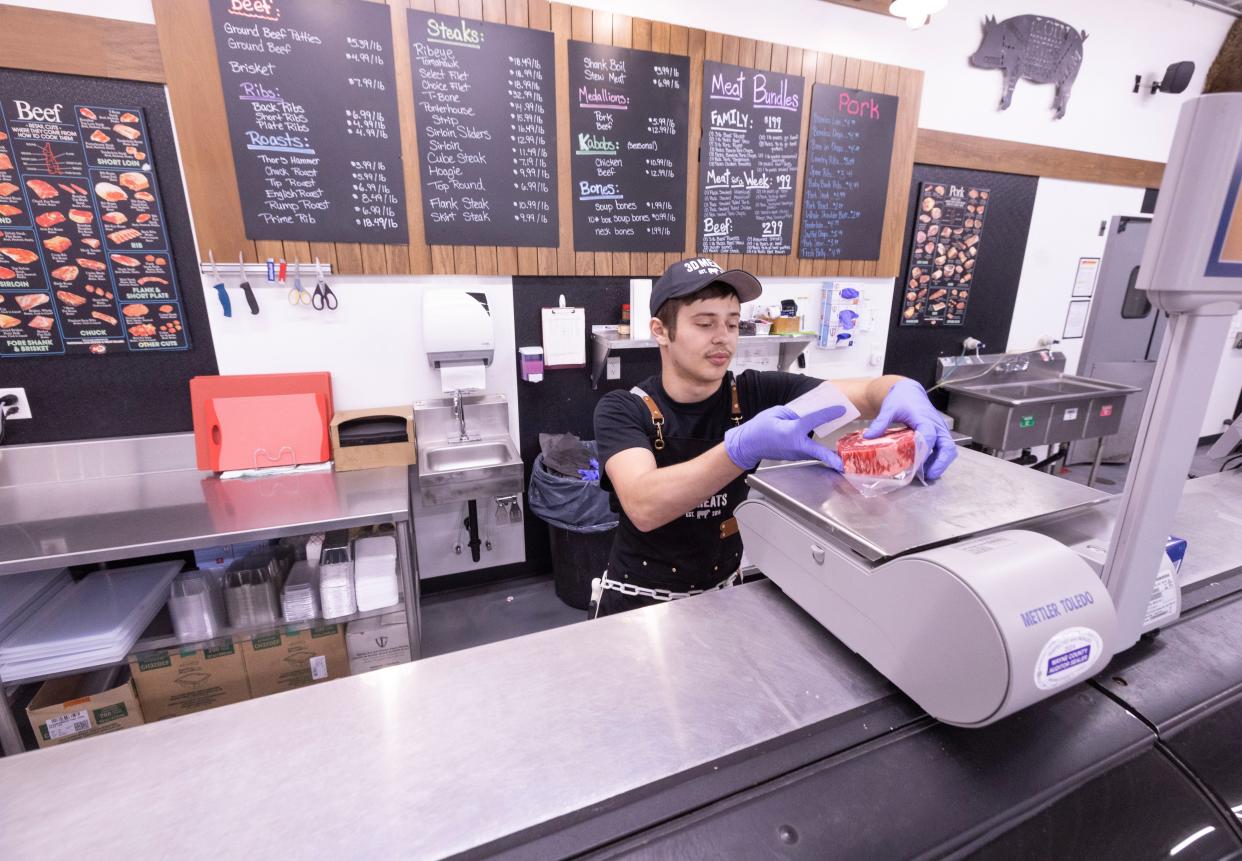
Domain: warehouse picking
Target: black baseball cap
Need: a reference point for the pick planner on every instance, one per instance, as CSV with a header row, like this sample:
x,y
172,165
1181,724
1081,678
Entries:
x,y
694,273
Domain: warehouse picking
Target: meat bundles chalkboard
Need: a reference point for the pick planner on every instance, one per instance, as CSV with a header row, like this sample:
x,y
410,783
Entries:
x,y
849,152
948,228
752,125
311,100
486,143
629,115
84,252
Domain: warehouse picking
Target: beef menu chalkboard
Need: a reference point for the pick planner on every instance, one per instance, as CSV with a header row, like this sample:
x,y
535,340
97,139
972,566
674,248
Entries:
x,y
849,152
629,115
752,125
484,103
311,101
85,265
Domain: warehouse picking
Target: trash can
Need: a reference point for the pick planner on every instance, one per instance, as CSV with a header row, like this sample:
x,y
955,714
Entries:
x,y
580,527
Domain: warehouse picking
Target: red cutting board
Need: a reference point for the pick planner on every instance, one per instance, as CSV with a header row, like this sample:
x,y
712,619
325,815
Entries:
x,y
203,389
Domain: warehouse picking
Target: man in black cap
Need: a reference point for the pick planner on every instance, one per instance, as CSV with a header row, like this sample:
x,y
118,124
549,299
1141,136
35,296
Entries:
x,y
676,449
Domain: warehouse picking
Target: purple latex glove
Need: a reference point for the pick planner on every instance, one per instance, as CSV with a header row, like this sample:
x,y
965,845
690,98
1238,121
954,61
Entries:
x,y
907,404
778,433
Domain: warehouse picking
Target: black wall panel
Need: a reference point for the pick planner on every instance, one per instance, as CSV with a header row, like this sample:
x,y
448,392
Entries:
x,y
912,349
118,394
565,402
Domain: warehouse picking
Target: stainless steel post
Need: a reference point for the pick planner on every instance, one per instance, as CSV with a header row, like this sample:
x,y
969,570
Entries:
x,y
1095,464
409,584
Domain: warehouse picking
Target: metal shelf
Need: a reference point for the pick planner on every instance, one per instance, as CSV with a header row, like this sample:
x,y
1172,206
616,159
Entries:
x,y
607,341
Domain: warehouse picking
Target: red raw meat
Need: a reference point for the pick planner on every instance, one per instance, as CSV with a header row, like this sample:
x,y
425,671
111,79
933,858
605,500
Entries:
x,y
890,454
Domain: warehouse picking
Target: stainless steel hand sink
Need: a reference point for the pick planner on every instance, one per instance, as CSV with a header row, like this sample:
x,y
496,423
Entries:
x,y
469,455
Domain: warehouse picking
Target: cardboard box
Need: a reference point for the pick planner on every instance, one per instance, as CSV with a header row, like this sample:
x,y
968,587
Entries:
x,y
390,447
183,680
380,641
290,658
68,709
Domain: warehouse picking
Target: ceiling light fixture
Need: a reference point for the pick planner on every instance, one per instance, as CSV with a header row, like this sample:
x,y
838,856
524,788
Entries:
x,y
916,12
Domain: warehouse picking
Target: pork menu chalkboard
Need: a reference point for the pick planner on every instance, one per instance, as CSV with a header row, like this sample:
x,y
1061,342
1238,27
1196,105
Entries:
x,y
310,95
849,153
752,125
484,103
629,113
85,265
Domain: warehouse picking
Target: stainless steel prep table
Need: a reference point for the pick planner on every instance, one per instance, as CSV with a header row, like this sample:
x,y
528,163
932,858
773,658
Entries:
x,y
77,503
437,756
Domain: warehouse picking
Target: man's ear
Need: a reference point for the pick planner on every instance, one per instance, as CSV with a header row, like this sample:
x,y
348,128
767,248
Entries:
x,y
658,332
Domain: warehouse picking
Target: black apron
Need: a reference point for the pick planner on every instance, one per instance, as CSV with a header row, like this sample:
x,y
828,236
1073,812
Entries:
x,y
696,551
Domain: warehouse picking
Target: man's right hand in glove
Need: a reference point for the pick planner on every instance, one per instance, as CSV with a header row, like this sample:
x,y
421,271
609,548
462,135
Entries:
x,y
779,433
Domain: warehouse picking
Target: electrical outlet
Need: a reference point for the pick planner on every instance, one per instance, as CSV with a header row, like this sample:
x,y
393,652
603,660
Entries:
x,y
614,367
23,405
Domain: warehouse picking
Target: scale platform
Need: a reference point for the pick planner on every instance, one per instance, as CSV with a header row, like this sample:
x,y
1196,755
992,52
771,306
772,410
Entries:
x,y
979,493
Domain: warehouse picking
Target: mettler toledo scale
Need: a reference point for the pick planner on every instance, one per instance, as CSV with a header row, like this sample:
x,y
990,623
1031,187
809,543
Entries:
x,y
998,586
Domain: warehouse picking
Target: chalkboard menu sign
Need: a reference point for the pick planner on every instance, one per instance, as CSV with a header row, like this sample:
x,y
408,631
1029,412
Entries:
x,y
84,252
948,229
752,125
849,151
312,109
484,102
629,115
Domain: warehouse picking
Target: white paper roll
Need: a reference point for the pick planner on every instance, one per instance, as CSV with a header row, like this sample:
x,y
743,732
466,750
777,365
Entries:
x,y
464,376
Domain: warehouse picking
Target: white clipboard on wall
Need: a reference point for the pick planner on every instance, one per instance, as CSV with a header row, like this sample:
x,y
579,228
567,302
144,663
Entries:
x,y
564,337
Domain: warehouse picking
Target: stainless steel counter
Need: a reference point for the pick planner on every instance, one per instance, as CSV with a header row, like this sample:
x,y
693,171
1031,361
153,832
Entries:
x,y
441,755
95,519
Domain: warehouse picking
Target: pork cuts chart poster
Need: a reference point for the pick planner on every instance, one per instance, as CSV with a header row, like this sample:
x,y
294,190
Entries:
x,y
848,158
944,250
748,164
628,115
311,99
85,266
485,108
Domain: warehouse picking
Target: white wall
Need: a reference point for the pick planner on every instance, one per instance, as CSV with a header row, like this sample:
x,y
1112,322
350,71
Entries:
x,y
1065,225
1125,38
372,345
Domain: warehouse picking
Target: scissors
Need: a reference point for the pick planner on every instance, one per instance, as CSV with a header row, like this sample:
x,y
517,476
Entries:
x,y
323,298
298,295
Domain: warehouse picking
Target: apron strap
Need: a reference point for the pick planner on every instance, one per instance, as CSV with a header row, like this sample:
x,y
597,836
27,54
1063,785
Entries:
x,y
657,417
736,407
728,528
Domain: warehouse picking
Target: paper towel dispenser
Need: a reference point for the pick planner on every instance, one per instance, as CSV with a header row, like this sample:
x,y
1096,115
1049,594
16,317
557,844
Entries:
x,y
457,328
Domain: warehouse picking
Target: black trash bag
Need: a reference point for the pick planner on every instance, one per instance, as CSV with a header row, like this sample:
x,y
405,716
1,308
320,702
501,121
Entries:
x,y
565,454
572,504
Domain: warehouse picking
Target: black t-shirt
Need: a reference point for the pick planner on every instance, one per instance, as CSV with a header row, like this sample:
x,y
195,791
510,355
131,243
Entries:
x,y
623,421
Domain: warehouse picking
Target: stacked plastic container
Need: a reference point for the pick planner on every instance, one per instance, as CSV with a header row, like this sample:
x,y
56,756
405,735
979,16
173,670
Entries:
x,y
23,594
336,577
300,598
195,604
375,572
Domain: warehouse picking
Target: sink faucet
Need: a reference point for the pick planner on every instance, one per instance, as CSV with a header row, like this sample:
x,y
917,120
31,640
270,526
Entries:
x,y
459,413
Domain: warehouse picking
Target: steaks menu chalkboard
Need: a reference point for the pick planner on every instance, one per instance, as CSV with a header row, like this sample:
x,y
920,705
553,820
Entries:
x,y
629,115
484,103
752,125
849,152
84,252
312,108
948,228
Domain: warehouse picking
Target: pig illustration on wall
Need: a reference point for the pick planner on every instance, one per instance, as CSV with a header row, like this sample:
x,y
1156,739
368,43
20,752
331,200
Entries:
x,y
1042,50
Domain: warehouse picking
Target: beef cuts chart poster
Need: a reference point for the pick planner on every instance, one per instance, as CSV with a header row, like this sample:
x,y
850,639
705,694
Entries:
x,y
948,230
85,265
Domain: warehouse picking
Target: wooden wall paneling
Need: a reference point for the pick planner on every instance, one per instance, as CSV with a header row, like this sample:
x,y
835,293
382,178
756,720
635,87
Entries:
x,y
562,28
349,258
295,251
540,17
909,91
85,45
803,63
582,30
979,153
326,252
640,38
703,46
374,258
418,253
622,37
197,99
601,34
679,43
